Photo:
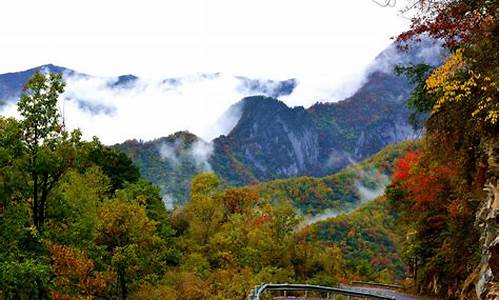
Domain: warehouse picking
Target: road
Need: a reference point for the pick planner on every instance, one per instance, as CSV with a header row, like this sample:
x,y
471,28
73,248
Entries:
x,y
388,292
371,290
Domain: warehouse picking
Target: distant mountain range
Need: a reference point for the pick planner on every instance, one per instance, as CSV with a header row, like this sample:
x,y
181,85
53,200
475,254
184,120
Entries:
x,y
271,140
11,84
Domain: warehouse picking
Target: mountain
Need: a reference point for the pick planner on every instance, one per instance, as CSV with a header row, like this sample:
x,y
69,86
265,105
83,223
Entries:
x,y
369,239
170,162
273,141
11,84
270,140
357,127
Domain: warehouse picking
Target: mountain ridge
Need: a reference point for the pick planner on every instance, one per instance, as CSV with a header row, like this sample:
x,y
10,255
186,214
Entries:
x,y
272,140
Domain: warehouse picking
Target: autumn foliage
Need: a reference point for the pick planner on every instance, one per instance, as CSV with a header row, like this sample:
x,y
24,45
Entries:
x,y
424,184
76,276
440,191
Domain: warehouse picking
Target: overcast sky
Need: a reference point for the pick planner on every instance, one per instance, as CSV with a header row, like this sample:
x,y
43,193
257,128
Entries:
x,y
267,38
325,44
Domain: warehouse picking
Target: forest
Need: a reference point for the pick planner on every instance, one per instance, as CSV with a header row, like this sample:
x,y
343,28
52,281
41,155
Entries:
x,y
446,192
77,220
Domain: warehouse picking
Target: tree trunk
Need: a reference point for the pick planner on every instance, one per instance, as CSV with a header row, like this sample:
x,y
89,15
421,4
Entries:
x,y
123,283
43,200
35,201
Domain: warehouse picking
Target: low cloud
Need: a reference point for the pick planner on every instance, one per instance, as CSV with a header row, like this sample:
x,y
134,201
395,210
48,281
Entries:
x,y
325,215
168,201
367,193
201,152
168,152
369,184
119,108
198,153
427,51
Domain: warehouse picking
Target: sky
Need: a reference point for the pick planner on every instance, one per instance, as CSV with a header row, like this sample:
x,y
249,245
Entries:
x,y
325,44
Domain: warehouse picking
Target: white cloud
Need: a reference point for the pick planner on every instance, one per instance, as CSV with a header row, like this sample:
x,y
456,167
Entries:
x,y
168,201
259,38
167,152
201,152
379,182
325,45
176,152
150,109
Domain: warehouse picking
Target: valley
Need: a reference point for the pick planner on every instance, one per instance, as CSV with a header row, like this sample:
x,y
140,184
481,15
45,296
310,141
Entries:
x,y
219,186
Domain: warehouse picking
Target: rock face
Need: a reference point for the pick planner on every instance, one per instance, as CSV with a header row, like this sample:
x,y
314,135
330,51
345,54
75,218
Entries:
x,y
483,282
272,140
486,284
357,127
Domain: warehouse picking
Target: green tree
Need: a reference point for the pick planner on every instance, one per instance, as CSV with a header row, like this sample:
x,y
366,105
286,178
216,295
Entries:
x,y
41,135
114,163
131,242
24,280
205,212
13,181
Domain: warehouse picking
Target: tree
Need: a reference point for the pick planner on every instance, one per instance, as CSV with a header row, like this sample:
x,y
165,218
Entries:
x,y
12,156
131,242
74,205
114,163
75,274
44,138
205,212
440,191
29,279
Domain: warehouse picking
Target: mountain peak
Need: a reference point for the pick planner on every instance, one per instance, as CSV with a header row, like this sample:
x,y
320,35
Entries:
x,y
52,68
264,104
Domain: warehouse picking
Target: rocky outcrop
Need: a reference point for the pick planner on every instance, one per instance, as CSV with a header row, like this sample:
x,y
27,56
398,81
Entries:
x,y
483,282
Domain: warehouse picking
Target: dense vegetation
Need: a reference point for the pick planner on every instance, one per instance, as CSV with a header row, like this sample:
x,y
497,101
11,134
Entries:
x,y
446,193
78,222
342,191
369,241
168,162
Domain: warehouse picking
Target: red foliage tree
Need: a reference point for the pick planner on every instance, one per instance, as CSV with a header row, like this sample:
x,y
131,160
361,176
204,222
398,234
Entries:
x,y
455,22
76,277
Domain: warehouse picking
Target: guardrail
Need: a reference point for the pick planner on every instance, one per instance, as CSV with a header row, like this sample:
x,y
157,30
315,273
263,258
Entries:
x,y
257,292
376,284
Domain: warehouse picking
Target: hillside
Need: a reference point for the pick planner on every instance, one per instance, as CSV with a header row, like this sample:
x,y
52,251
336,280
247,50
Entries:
x,y
342,191
170,162
368,238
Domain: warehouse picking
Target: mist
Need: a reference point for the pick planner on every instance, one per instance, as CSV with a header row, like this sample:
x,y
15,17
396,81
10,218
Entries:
x,y
368,184
119,108
126,107
198,153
